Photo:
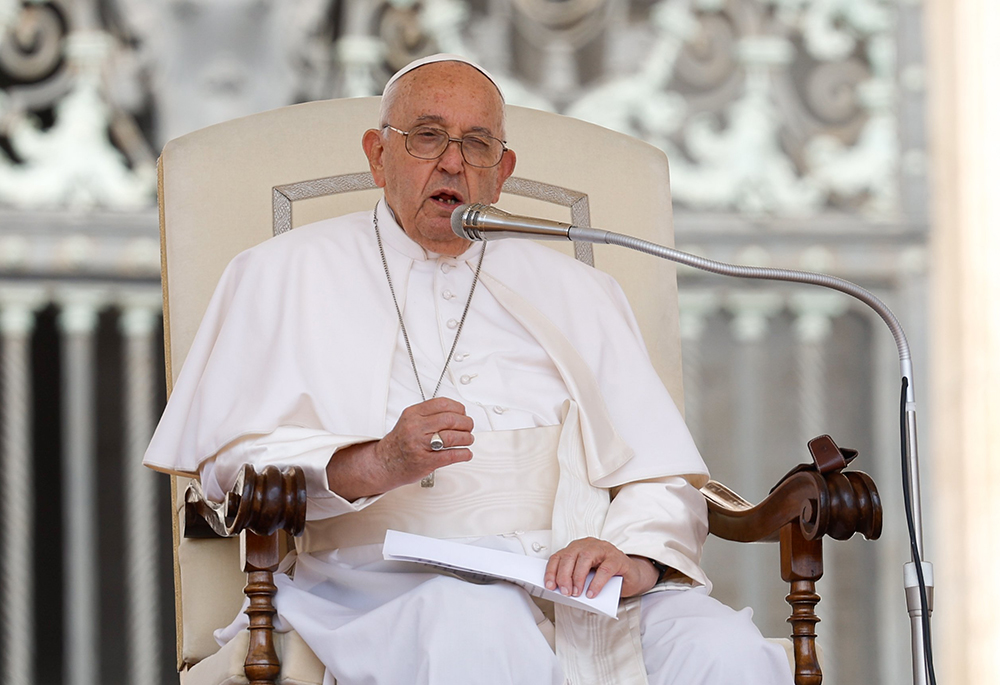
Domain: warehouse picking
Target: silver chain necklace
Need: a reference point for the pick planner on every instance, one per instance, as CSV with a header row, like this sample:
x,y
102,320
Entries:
x,y
436,443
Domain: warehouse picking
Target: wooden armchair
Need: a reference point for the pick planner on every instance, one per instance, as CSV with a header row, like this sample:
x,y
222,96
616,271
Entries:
x,y
255,177
811,501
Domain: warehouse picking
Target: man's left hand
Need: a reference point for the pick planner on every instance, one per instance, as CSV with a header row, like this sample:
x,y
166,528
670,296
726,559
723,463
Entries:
x,y
568,568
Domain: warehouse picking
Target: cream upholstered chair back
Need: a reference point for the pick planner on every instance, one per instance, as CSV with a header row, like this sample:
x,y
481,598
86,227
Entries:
x,y
228,187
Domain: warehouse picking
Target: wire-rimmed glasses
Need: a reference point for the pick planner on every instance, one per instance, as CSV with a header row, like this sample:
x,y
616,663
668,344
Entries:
x,y
428,142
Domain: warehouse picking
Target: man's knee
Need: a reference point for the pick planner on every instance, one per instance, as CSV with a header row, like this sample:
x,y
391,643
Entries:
x,y
470,632
473,606
465,616
688,636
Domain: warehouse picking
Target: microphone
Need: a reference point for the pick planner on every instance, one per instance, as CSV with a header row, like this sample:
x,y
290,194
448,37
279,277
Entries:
x,y
479,222
483,222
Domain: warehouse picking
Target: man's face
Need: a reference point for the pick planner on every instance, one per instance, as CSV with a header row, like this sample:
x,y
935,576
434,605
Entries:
x,y
423,192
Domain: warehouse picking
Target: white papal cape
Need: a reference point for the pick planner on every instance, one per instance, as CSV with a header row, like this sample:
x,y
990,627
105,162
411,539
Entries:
x,y
301,334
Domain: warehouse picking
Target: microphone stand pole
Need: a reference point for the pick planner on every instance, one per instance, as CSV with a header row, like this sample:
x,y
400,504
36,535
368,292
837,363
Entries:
x,y
918,574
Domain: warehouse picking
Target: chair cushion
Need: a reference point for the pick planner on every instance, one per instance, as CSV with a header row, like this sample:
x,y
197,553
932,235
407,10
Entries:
x,y
299,666
210,587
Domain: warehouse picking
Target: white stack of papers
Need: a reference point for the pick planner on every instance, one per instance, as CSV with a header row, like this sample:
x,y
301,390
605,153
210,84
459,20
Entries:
x,y
483,565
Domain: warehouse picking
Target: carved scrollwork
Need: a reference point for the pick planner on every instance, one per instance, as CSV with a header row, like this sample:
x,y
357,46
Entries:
x,y
31,47
820,498
573,24
558,14
830,91
764,107
262,502
810,502
707,60
403,35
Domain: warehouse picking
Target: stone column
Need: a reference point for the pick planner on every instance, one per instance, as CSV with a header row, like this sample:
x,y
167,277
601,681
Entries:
x,y
17,321
695,308
814,311
137,324
77,323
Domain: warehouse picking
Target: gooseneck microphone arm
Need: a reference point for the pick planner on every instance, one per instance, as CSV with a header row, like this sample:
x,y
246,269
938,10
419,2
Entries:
x,y
482,222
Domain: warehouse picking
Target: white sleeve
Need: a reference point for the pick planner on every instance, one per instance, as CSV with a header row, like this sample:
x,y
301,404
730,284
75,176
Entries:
x,y
665,519
308,448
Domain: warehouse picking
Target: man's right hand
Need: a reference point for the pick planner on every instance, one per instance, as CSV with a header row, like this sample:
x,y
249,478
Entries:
x,y
404,455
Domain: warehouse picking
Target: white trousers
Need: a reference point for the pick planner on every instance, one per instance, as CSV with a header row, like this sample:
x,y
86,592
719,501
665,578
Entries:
x,y
427,629
691,637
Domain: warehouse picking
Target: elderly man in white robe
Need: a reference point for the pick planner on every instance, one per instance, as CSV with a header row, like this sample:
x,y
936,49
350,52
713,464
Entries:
x,y
522,414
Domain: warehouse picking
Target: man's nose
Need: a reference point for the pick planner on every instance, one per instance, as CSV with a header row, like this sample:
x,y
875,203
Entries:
x,y
451,159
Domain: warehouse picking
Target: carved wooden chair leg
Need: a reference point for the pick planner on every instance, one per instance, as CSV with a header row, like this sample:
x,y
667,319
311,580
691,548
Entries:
x,y
260,561
258,508
801,567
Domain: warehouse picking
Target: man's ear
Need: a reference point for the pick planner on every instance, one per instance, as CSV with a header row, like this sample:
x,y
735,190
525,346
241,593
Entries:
x,y
374,149
504,170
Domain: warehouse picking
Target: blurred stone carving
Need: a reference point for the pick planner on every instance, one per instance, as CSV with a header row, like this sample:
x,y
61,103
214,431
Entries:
x,y
744,165
73,163
33,68
446,21
752,124
765,107
403,36
208,62
29,40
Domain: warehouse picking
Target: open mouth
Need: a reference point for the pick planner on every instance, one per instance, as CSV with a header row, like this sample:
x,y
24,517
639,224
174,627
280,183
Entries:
x,y
447,197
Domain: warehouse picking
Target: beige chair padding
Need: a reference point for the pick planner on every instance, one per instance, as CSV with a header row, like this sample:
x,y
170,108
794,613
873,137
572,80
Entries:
x,y
299,666
216,199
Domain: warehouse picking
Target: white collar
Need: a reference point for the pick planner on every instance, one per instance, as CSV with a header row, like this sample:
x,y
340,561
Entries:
x,y
395,237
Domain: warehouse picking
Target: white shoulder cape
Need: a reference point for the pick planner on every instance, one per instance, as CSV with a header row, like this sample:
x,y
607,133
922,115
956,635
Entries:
x,y
301,331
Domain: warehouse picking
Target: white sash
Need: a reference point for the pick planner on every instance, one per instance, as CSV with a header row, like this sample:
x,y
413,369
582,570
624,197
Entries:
x,y
510,485
593,650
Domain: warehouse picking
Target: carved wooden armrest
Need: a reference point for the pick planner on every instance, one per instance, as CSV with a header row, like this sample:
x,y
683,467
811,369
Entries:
x,y
810,501
258,507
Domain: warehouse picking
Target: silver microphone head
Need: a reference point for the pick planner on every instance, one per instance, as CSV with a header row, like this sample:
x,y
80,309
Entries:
x,y
458,221
465,219
485,222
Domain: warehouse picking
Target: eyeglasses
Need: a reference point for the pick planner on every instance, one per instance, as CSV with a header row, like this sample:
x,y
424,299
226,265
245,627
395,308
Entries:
x,y
427,142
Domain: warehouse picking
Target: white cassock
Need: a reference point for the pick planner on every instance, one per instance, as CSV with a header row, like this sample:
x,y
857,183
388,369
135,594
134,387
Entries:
x,y
300,353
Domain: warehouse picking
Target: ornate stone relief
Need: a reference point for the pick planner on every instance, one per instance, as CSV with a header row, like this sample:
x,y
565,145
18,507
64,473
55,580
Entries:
x,y
54,57
95,69
780,107
765,107
206,62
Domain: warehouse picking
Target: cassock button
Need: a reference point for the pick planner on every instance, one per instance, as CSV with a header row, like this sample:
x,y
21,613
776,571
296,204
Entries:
x,y
452,323
445,267
466,379
501,410
461,356
447,294
537,546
